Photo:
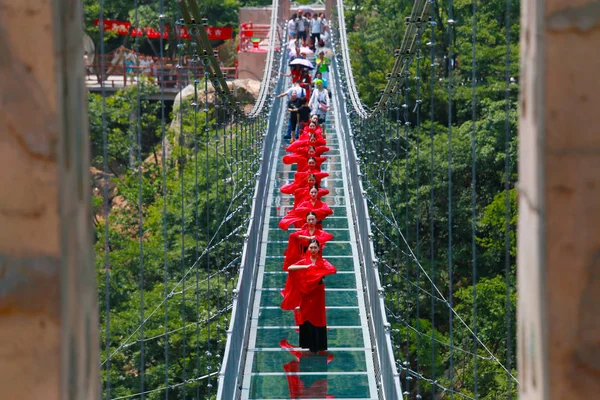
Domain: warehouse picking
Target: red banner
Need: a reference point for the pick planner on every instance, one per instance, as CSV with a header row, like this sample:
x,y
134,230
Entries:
x,y
122,28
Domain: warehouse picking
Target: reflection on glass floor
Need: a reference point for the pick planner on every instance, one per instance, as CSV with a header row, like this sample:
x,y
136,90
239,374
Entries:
x,y
275,367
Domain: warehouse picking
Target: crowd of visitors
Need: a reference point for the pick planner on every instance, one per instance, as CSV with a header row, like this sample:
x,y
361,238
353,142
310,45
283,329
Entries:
x,y
308,95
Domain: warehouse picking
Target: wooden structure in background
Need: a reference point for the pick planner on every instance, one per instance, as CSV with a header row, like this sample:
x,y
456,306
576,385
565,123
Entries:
x,y
48,309
559,201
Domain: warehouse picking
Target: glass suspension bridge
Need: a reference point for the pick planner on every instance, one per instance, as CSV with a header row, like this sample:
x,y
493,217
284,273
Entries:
x,y
190,266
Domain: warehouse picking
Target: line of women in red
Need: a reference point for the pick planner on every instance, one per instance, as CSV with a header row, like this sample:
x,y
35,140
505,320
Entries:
x,y
304,291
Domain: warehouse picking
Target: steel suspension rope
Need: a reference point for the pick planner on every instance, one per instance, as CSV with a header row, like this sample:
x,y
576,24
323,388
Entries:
x,y
105,207
164,197
474,191
140,167
432,249
507,201
451,66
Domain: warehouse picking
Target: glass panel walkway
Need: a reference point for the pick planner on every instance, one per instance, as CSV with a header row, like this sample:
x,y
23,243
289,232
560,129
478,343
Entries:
x,y
346,371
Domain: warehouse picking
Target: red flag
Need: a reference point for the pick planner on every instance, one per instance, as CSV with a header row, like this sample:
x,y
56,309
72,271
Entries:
x,y
122,28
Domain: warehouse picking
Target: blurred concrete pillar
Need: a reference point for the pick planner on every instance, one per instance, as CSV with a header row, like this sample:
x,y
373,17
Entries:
x,y
559,200
48,309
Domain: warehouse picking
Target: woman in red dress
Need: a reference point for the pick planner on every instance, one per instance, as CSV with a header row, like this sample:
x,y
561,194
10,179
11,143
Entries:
x,y
307,291
304,162
312,128
303,194
304,179
298,215
301,146
298,241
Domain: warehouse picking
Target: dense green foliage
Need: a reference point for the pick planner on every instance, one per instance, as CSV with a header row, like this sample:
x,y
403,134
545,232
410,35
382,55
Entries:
x,y
189,235
411,201
207,189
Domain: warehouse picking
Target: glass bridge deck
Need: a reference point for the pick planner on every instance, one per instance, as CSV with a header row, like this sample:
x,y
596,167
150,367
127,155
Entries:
x,y
346,370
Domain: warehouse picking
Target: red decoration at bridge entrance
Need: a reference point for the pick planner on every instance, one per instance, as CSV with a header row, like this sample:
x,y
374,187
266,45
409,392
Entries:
x,y
123,27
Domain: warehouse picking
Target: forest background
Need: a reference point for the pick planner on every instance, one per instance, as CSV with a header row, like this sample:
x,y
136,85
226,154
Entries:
x,y
197,191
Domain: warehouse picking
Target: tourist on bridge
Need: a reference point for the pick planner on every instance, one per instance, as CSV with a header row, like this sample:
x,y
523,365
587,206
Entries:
x,y
299,90
298,214
323,64
319,103
313,129
303,114
301,25
295,73
292,106
316,26
306,149
307,291
292,27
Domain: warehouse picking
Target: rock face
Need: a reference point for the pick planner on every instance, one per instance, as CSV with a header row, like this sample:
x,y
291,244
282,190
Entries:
x,y
245,91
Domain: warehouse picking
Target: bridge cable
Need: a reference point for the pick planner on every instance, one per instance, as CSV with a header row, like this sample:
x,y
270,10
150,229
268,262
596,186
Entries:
x,y
432,43
195,63
451,67
417,109
474,191
182,164
164,139
105,205
507,200
140,169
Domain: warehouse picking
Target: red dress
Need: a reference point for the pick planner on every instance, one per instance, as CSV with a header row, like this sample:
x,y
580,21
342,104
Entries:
x,y
301,148
297,246
303,194
301,180
307,291
302,161
318,131
297,216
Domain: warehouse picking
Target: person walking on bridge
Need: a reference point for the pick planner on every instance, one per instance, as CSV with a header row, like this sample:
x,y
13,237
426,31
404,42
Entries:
x,y
316,27
292,106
